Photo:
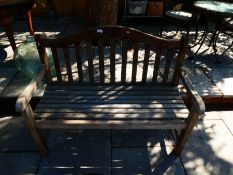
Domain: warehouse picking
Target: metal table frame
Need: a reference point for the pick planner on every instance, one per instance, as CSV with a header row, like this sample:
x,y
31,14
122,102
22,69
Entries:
x,y
215,8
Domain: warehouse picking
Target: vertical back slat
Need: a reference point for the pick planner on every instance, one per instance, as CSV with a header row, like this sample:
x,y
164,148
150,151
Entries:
x,y
90,61
179,60
67,62
43,58
124,59
167,65
145,64
56,64
101,59
131,40
79,61
135,62
112,60
156,64
46,62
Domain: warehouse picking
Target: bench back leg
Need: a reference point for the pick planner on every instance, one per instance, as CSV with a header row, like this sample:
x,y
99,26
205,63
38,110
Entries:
x,y
30,120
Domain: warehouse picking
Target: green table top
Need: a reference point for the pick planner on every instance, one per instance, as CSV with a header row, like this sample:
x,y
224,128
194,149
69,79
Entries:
x,y
215,6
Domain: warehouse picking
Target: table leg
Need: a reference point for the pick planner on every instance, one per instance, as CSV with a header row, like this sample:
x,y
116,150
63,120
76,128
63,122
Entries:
x,y
7,25
215,47
203,37
29,22
214,39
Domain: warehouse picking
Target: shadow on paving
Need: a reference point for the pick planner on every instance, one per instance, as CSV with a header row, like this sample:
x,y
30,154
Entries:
x,y
117,152
208,149
93,152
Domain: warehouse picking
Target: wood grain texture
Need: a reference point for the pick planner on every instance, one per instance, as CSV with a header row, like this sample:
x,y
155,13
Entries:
x,y
135,62
156,65
56,64
79,61
167,65
90,61
145,64
68,65
109,124
101,59
124,60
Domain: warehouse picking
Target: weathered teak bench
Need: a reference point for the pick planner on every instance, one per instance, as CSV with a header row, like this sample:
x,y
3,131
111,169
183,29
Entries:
x,y
109,92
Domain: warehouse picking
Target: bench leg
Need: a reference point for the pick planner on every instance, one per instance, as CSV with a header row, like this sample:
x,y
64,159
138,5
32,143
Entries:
x,y
183,137
30,120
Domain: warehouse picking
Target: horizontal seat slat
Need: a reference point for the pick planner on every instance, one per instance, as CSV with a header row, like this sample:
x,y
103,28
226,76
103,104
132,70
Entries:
x,y
110,88
109,124
107,93
113,106
103,116
111,97
111,103
110,111
106,101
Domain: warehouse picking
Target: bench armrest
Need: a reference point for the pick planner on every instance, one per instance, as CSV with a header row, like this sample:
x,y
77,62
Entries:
x,y
197,101
25,97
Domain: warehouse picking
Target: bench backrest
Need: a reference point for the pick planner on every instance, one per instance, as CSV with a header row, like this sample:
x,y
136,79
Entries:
x,y
111,55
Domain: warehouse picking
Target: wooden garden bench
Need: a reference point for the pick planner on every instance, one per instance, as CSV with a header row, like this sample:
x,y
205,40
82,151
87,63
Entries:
x,y
111,78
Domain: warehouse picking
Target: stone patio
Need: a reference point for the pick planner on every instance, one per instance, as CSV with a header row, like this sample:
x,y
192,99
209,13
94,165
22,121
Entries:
x,y
208,151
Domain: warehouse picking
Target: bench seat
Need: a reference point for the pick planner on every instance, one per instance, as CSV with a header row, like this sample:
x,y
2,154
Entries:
x,y
111,103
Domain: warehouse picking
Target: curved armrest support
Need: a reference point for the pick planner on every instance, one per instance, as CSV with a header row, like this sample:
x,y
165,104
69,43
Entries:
x,y
197,101
25,97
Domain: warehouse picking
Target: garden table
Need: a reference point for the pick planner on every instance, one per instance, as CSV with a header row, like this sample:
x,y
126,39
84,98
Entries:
x,y
219,10
9,9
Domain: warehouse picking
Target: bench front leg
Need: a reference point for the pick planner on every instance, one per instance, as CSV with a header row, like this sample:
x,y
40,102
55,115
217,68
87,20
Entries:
x,y
29,117
197,109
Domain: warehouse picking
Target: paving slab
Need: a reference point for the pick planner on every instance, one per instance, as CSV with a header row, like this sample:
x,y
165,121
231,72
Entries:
x,y
141,138
78,152
209,149
227,117
201,83
151,160
222,78
14,135
19,163
206,59
76,162
6,75
18,84
79,139
213,115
